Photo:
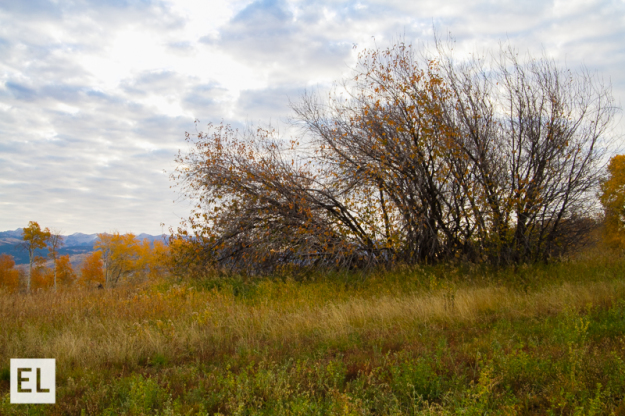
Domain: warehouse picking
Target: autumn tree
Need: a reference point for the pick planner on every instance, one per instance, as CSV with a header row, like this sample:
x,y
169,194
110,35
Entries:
x,y
153,258
63,272
120,253
42,275
9,276
124,257
34,238
92,269
54,243
411,159
613,200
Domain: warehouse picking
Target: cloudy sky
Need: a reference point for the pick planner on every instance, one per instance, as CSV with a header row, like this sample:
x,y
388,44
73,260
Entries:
x,y
96,95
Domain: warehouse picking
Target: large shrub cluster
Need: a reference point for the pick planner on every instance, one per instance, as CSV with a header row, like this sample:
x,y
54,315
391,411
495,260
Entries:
x,y
411,159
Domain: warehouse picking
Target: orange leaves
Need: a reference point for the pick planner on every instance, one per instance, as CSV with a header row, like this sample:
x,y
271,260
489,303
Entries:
x,y
91,270
124,258
42,277
65,275
9,276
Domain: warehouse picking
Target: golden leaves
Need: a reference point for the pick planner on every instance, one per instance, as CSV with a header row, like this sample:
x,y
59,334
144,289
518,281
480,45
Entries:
x,y
613,200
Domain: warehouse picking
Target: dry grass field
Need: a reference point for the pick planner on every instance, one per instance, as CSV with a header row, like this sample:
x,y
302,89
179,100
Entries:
x,y
544,339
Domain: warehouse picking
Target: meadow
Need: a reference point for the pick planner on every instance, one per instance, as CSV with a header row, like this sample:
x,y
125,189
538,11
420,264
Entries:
x,y
446,339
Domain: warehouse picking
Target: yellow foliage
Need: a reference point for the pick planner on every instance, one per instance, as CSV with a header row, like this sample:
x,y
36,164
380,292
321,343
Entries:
x,y
153,259
126,258
120,255
184,257
34,238
613,201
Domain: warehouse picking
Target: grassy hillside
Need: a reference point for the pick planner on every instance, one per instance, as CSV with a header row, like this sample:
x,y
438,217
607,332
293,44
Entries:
x,y
430,340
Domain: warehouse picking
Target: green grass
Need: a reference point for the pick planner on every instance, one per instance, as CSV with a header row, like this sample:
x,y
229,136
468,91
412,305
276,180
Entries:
x,y
544,339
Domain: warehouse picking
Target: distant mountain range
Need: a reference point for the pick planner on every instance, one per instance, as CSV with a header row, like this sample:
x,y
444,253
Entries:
x,y
75,245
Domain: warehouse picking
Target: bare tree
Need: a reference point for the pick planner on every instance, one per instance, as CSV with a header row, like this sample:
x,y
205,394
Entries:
x,y
536,135
55,242
260,209
410,159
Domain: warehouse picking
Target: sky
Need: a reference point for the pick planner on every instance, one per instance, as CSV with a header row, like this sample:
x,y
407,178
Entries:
x,y
96,95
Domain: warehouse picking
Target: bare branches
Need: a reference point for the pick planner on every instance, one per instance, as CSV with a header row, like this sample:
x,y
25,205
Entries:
x,y
412,160
259,207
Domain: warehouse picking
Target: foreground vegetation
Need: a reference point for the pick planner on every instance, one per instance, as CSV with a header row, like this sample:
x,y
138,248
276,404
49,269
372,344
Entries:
x,y
460,340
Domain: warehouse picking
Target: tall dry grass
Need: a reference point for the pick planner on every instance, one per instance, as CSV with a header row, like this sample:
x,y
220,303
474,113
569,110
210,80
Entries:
x,y
129,326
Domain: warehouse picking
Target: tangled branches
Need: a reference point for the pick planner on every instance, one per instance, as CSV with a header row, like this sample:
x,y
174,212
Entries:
x,y
412,160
